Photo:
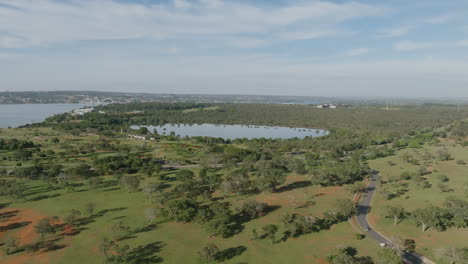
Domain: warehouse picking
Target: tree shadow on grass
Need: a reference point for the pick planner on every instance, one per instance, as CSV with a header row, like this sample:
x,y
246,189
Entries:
x,y
144,229
42,197
14,226
111,189
43,246
230,253
294,185
145,254
8,214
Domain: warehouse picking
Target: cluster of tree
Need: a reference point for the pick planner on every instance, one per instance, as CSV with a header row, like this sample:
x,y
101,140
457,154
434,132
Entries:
x,y
131,163
297,225
12,189
459,128
16,144
339,172
349,255
454,255
454,213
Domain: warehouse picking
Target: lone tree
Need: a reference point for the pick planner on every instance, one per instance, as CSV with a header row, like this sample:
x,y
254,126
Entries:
x,y
409,245
90,207
209,253
396,212
270,232
72,216
454,255
44,227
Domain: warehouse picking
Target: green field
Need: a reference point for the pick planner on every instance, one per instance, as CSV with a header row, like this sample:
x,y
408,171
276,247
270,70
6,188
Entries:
x,y
163,240
431,241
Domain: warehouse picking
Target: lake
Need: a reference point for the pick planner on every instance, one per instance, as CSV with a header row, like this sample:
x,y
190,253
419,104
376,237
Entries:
x,y
14,115
235,131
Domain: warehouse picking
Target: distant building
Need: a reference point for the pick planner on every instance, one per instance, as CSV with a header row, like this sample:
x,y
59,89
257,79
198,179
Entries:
x,y
82,111
135,112
331,106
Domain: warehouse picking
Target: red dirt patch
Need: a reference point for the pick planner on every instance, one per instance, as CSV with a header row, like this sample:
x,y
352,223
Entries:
x,y
20,225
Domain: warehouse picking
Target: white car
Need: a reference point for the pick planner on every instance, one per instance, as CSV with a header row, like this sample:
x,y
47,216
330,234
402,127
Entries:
x,y
367,229
383,244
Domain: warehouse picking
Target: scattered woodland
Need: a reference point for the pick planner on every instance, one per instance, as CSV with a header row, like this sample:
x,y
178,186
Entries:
x,y
77,189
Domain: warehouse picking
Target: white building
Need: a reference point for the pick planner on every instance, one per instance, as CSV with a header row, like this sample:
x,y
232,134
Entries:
x,y
82,111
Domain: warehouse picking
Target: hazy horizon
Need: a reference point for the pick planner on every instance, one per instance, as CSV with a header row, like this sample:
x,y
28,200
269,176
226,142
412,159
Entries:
x,y
296,48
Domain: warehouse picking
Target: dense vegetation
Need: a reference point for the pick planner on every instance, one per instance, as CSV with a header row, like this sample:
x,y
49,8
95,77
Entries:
x,y
215,184
390,123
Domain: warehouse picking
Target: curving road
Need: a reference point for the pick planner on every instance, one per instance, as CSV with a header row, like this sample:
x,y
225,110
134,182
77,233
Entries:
x,y
363,208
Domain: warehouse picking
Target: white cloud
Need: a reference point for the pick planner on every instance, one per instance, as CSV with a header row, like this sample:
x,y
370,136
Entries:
x,y
313,34
463,43
7,41
396,32
42,22
245,75
408,45
441,19
247,43
181,4
357,52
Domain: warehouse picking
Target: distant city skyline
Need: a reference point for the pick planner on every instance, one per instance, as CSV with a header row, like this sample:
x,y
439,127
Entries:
x,y
278,47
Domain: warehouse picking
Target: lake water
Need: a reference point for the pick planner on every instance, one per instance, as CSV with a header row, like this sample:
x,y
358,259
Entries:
x,y
14,115
236,131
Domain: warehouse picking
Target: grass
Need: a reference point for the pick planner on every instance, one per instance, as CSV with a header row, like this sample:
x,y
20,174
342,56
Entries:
x,y
180,242
430,241
172,242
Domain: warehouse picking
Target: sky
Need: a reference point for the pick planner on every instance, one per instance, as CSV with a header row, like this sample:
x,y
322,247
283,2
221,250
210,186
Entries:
x,y
274,47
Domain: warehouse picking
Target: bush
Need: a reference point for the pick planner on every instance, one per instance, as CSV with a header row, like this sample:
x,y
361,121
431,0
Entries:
x,y
359,236
252,209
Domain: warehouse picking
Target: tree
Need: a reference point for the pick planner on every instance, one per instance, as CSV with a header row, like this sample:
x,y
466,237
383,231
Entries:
x,y
348,255
184,175
181,210
252,209
212,181
90,207
431,217
106,247
395,212
409,245
150,214
44,227
345,208
120,230
130,183
209,253
72,216
11,245
458,209
454,255
354,188
443,155
297,166
270,232
143,130
94,182
389,256
149,189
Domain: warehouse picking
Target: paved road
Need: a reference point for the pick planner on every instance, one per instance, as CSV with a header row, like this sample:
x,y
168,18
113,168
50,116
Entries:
x,y
364,206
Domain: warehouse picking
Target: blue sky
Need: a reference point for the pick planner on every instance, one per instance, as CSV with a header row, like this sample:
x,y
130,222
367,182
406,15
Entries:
x,y
295,47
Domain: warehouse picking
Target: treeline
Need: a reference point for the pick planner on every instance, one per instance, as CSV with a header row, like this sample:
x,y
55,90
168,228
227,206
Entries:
x,y
453,213
394,123
15,144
